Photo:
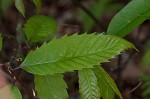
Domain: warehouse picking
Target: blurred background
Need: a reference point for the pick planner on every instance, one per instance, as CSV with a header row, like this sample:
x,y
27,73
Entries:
x,y
130,70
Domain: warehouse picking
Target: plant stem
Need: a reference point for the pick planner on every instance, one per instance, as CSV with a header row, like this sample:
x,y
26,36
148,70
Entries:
x,y
18,80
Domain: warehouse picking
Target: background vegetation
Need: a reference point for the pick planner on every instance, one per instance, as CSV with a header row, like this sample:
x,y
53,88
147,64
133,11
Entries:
x,y
130,70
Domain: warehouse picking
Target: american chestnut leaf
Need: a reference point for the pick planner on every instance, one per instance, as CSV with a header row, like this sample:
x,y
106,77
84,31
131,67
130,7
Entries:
x,y
74,52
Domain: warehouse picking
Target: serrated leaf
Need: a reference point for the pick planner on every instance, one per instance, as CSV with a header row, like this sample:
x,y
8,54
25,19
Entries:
x,y
0,41
37,3
39,27
129,17
106,84
16,92
73,53
20,6
51,86
88,84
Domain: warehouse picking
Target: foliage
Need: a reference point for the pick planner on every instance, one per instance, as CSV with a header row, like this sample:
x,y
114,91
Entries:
x,y
83,52
50,86
39,27
77,52
106,87
88,84
16,92
95,83
20,6
129,17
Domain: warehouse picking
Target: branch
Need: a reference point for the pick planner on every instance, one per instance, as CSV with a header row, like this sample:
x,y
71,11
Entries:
x,y
20,82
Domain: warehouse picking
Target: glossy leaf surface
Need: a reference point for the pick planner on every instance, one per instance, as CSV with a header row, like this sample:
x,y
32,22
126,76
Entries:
x,y
129,17
106,84
73,53
88,84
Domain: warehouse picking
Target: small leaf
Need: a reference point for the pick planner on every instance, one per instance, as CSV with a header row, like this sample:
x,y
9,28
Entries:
x,y
73,53
37,3
16,92
88,84
106,84
51,86
129,17
0,42
39,27
20,6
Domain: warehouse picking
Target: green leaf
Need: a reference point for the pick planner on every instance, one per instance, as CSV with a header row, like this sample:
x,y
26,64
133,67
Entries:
x,y
129,17
20,6
0,42
106,84
145,59
39,27
51,86
88,84
73,53
37,3
16,92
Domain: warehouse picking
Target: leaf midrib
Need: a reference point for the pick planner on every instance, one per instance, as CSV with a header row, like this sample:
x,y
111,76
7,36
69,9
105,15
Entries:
x,y
72,57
